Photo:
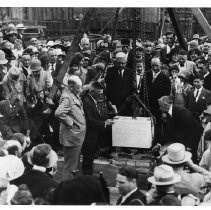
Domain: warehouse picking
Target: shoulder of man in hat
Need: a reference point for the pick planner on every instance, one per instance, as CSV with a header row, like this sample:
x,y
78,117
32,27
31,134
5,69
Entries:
x,y
190,183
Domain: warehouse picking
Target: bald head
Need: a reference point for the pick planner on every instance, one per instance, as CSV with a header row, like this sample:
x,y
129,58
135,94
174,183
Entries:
x,y
155,63
75,84
73,79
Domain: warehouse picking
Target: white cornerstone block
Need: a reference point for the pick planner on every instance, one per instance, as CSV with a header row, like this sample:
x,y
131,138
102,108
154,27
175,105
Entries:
x,y
128,132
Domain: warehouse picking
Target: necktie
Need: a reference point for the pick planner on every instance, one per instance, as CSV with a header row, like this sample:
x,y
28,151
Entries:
x,y
154,77
120,74
52,67
139,84
197,93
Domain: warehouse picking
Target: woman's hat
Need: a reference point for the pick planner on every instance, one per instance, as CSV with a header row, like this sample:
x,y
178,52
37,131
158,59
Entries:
x,y
2,58
11,167
184,75
164,175
176,154
42,155
35,65
14,73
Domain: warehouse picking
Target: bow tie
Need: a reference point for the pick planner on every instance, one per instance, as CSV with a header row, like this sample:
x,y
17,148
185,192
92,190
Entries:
x,y
182,65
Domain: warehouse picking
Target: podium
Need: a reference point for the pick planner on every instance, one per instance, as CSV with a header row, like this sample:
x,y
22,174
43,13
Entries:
x,y
134,133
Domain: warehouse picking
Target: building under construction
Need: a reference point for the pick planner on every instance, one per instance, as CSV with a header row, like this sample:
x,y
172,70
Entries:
x,y
63,21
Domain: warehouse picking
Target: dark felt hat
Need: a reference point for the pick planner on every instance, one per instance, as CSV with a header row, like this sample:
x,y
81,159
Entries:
x,y
81,190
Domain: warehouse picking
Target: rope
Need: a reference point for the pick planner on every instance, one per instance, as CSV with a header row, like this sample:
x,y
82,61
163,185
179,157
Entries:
x,y
37,131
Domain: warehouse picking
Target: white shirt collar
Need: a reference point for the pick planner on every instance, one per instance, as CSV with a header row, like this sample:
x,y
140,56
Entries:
x,y
127,195
200,89
39,168
206,74
93,99
169,48
156,74
170,110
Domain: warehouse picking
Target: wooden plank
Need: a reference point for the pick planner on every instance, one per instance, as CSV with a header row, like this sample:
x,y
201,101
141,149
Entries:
x,y
202,21
73,48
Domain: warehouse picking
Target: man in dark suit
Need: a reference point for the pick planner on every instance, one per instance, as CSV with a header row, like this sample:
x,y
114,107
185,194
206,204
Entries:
x,y
13,117
203,67
165,55
96,121
181,126
197,97
120,82
163,184
126,182
39,179
25,61
158,85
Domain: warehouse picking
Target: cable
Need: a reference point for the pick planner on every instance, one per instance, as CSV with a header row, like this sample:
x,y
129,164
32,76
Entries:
x,y
37,131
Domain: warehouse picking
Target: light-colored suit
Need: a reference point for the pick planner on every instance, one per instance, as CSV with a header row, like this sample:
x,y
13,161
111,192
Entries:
x,y
71,115
72,129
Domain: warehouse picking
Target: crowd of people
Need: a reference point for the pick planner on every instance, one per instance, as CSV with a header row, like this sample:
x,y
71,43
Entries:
x,y
173,83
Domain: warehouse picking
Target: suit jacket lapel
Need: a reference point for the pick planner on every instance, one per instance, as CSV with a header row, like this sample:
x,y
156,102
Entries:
x,y
156,79
201,94
119,200
94,105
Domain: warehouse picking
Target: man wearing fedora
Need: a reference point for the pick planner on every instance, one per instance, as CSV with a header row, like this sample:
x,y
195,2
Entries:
x,y
163,182
126,182
72,124
176,157
42,160
196,38
120,82
181,126
38,80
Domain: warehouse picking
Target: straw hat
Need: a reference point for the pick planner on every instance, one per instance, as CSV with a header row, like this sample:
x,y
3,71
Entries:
x,y
195,36
35,65
164,175
20,26
11,167
121,57
176,154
